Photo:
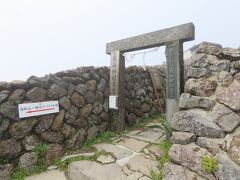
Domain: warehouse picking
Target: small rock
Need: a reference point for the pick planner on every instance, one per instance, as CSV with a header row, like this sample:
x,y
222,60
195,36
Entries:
x,y
91,85
71,114
145,107
102,84
188,101
27,160
44,124
105,159
214,145
97,108
183,137
77,139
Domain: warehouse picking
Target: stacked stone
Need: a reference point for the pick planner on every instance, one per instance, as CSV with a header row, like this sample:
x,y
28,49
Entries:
x,y
208,123
83,98
140,97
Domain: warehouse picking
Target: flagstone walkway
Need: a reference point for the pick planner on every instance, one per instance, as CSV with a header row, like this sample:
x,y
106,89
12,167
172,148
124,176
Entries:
x,y
130,157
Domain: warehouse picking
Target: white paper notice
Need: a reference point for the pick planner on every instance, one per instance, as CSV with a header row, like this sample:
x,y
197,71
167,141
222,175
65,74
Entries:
x,y
113,102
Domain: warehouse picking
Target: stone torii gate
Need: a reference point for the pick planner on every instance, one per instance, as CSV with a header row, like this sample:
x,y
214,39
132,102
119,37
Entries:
x,y
173,39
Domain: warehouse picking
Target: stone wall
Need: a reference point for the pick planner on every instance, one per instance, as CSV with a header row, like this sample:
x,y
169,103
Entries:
x,y
83,98
208,123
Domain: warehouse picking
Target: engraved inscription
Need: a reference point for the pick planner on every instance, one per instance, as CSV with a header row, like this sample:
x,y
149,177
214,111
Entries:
x,y
171,72
114,76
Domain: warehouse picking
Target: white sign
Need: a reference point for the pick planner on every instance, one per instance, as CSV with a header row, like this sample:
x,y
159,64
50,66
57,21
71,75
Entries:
x,y
37,109
113,102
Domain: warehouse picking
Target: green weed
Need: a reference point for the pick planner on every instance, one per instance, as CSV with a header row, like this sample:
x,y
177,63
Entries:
x,y
19,174
209,164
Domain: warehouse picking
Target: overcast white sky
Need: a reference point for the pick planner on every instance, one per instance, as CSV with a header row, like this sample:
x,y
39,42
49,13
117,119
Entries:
x,y
38,37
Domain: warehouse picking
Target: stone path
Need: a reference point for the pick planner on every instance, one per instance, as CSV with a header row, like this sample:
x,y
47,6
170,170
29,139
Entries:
x,y
131,158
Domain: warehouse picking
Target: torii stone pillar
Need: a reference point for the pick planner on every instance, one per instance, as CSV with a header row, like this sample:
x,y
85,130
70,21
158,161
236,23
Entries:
x,y
173,39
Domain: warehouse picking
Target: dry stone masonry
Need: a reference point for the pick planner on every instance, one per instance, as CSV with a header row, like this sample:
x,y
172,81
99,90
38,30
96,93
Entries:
x,y
208,123
83,98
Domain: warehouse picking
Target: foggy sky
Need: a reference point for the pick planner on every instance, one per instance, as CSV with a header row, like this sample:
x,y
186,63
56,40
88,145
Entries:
x,y
38,37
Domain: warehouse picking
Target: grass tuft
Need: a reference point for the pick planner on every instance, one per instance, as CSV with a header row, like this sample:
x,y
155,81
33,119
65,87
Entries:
x,y
209,164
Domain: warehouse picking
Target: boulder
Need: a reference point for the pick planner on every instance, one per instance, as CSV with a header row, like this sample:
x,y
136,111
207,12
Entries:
x,y
188,101
6,171
58,121
44,124
27,160
10,148
227,169
102,84
190,156
77,139
21,129
71,114
93,74
174,172
225,78
17,96
81,89
91,85
8,110
230,54
97,108
67,130
131,119
77,100
30,142
229,96
196,122
38,81
208,48
4,85
92,132
86,110
36,94
234,149
65,103
226,119
53,152
4,124
90,97
145,107
183,137
56,91
196,72
52,137
213,145
3,95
